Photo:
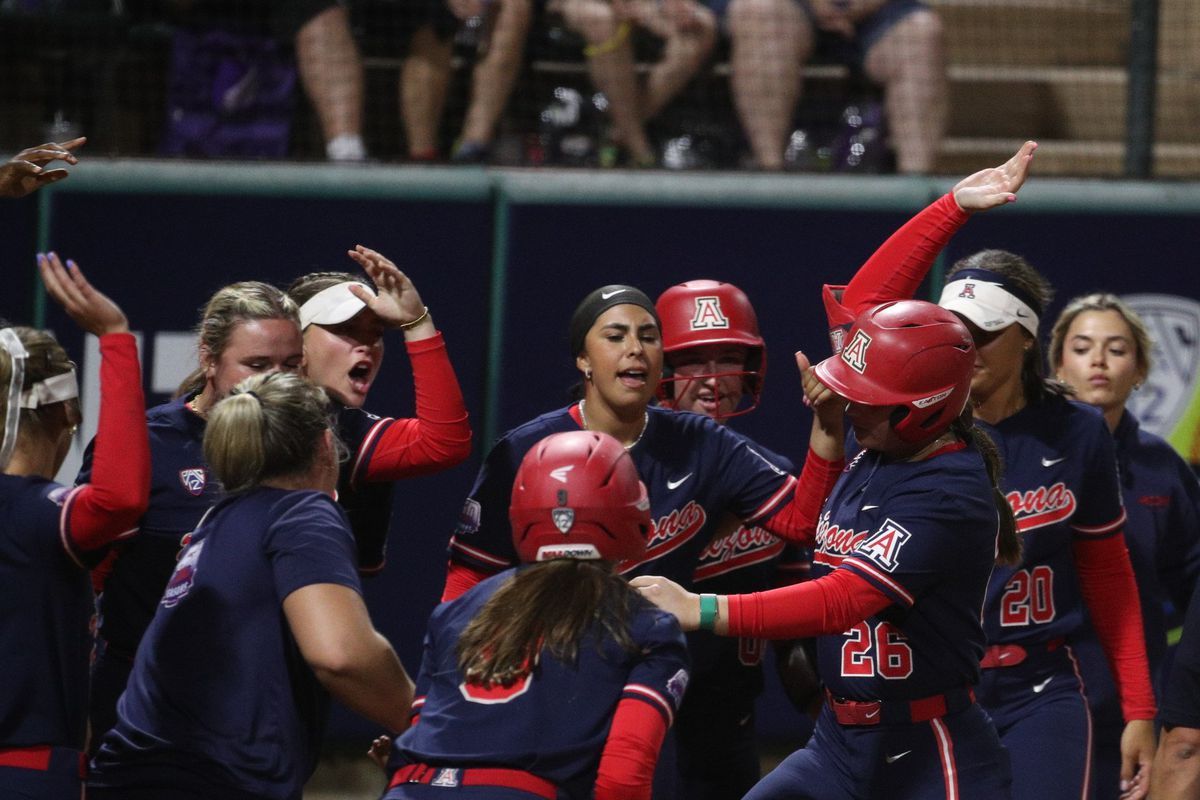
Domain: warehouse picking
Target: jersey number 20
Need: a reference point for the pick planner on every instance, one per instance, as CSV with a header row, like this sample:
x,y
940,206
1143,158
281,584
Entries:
x,y
1028,597
882,651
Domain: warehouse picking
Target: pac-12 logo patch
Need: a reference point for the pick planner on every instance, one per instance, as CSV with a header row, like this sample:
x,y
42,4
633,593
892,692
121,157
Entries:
x,y
708,315
677,685
468,518
184,575
855,353
563,518
1169,402
193,480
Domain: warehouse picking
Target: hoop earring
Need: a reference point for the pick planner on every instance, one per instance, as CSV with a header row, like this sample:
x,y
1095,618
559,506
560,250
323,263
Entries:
x,y
587,375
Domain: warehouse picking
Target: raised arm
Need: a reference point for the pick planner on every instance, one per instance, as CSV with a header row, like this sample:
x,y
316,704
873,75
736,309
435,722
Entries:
x,y
100,511
24,173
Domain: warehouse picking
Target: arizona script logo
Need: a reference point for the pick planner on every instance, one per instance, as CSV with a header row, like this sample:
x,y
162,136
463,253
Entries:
x,y
1042,506
739,548
670,532
834,543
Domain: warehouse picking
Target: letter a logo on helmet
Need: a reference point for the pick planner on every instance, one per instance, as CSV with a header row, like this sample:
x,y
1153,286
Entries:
x,y
855,353
708,314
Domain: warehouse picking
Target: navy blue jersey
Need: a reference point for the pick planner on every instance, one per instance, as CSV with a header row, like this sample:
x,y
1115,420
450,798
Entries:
x,y
220,694
923,533
1181,700
1060,477
181,490
47,602
555,721
368,506
695,471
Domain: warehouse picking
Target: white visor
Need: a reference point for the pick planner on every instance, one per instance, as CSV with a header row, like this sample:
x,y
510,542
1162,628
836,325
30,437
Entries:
x,y
333,305
52,390
989,305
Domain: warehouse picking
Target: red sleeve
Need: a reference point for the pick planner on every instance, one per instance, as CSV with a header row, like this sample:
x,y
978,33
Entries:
x,y
98,512
459,579
440,435
797,521
631,752
828,605
1110,591
896,269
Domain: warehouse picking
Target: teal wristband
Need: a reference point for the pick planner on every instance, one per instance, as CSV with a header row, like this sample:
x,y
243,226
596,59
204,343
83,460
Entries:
x,y
708,611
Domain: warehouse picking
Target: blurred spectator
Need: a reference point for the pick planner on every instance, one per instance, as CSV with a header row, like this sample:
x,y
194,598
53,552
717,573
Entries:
x,y
895,43
688,32
25,172
231,88
425,76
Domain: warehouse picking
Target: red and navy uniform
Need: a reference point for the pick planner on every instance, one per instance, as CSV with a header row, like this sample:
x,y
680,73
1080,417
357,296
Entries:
x,y
49,536
132,577
1060,478
221,702
695,471
551,726
1162,532
916,542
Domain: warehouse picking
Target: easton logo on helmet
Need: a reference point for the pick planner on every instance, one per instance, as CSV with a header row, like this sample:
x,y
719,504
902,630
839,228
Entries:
x,y
708,314
925,402
855,353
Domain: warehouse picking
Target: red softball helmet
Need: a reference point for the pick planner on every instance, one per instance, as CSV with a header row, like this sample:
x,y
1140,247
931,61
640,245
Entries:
x,y
702,312
907,353
578,495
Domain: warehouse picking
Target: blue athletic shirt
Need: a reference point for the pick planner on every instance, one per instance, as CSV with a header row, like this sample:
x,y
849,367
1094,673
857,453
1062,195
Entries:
x,y
220,695
555,721
695,471
44,589
1060,477
923,533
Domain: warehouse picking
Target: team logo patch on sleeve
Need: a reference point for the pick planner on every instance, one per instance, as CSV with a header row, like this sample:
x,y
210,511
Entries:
x,y
677,685
855,353
883,548
194,480
708,315
468,518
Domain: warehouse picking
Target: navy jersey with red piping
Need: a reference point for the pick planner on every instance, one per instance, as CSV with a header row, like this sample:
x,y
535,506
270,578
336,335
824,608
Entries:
x,y
220,695
47,602
923,533
181,490
555,721
695,471
368,505
1060,477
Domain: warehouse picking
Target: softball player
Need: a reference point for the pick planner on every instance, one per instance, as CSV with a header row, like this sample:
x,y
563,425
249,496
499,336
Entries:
x,y
1061,480
696,470
343,319
715,364
1177,764
499,713
1101,348
262,614
904,547
51,534
245,328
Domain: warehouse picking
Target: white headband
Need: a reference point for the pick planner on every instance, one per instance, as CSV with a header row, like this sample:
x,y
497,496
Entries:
x,y
12,412
332,305
989,305
54,389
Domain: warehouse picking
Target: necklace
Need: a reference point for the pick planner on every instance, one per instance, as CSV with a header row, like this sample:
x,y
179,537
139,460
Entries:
x,y
631,445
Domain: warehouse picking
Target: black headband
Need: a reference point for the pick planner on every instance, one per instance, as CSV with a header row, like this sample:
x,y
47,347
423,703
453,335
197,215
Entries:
x,y
597,303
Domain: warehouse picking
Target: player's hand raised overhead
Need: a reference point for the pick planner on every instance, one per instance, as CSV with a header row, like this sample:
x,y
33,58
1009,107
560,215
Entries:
x,y
995,186
25,172
91,310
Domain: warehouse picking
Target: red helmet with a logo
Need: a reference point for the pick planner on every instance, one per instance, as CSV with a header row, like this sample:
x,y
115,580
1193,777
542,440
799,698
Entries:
x,y
907,353
702,312
578,495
